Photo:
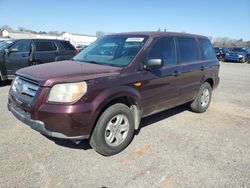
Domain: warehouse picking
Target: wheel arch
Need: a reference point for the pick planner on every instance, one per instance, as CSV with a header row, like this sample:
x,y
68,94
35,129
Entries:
x,y
125,95
210,78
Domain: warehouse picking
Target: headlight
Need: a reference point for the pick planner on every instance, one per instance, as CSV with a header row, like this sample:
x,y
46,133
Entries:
x,y
240,56
66,93
227,53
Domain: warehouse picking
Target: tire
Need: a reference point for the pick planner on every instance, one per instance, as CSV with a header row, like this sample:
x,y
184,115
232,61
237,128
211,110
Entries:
x,y
203,98
104,137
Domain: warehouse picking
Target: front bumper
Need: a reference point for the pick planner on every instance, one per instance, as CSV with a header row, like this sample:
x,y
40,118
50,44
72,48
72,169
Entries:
x,y
37,125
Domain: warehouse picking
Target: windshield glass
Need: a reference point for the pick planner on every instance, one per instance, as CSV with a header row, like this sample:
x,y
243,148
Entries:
x,y
4,44
113,50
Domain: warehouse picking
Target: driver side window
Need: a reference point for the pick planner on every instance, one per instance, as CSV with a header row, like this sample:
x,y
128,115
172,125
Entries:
x,y
163,49
21,46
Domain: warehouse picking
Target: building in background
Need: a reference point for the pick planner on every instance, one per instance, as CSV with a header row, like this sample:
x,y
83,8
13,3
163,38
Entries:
x,y
75,39
16,34
79,39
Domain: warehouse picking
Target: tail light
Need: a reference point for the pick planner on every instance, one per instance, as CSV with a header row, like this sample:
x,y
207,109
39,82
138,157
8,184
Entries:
x,y
75,52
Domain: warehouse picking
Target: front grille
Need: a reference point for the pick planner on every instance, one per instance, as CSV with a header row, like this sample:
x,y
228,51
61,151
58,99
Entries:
x,y
24,88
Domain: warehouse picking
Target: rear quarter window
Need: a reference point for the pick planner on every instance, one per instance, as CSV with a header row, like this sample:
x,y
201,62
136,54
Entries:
x,y
206,49
45,46
187,49
67,46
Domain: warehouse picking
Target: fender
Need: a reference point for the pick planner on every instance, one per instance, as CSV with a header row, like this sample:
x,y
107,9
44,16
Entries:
x,y
208,75
110,94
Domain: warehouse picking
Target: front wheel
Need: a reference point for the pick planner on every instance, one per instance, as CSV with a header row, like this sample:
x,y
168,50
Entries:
x,y
203,98
114,130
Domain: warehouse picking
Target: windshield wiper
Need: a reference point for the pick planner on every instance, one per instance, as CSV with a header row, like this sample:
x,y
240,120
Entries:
x,y
98,63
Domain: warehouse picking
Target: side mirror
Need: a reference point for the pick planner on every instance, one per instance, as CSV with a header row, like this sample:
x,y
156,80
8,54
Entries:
x,y
153,64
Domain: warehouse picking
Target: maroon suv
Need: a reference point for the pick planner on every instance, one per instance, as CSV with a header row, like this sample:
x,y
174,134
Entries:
x,y
104,91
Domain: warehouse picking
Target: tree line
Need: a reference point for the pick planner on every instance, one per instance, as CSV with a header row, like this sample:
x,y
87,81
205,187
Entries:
x,y
230,43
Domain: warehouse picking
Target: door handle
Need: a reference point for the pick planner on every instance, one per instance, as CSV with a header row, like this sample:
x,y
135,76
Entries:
x,y
202,68
176,73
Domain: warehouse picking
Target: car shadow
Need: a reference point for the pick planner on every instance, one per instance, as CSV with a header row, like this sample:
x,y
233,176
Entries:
x,y
84,144
5,83
161,115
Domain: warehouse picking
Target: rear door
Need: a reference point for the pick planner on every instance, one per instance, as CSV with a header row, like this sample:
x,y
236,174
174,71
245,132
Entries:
x,y
45,51
18,56
161,90
192,67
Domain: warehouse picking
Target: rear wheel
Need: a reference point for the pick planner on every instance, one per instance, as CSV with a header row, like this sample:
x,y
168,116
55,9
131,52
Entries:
x,y
114,130
203,98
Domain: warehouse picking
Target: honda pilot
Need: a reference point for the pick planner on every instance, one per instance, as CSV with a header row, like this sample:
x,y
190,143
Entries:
x,y
103,92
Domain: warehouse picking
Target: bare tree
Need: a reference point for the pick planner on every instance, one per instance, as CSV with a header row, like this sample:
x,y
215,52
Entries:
x,y
6,27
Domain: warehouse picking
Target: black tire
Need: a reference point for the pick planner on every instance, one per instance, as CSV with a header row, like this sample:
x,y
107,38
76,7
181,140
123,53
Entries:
x,y
98,139
198,105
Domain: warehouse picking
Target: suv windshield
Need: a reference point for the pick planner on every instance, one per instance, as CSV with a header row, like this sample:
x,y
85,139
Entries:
x,y
113,50
4,44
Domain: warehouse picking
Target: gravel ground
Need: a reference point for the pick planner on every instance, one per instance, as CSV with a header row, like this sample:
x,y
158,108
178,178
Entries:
x,y
175,148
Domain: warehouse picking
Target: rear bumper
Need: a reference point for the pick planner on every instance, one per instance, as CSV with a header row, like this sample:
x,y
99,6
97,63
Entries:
x,y
38,125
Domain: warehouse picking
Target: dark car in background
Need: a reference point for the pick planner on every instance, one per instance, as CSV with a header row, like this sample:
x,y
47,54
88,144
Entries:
x,y
238,54
221,52
16,54
104,91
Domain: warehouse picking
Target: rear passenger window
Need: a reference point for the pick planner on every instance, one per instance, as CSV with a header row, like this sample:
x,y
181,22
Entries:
x,y
45,46
67,46
187,49
163,49
207,49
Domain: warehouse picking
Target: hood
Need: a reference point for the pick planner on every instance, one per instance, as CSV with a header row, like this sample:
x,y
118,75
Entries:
x,y
66,71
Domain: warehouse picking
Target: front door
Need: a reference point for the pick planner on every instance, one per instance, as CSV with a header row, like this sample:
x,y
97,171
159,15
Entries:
x,y
18,56
161,88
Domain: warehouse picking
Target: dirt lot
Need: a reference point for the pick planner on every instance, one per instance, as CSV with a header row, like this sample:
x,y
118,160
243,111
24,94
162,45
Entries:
x,y
176,148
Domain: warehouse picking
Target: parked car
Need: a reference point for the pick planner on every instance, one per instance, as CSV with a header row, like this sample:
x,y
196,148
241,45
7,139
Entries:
x,y
16,54
238,54
104,91
221,52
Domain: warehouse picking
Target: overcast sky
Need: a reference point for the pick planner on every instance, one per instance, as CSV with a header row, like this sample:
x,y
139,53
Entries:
x,y
216,18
